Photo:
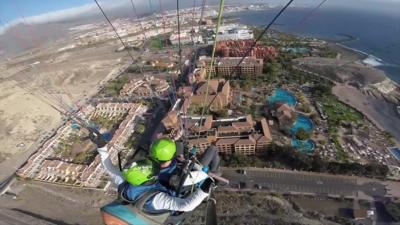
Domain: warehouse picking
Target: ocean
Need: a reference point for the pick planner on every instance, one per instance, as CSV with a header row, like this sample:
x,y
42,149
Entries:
x,y
375,34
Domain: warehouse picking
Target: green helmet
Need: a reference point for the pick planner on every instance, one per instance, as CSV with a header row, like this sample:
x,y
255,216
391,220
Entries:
x,y
163,149
139,172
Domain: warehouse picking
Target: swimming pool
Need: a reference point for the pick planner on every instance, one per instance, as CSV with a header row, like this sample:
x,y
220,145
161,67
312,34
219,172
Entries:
x,y
395,152
301,121
306,146
281,95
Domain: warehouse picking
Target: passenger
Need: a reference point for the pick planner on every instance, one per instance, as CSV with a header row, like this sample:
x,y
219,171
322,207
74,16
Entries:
x,y
141,178
169,154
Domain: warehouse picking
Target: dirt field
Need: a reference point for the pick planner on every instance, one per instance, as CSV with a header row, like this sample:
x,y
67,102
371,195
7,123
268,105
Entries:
x,y
47,75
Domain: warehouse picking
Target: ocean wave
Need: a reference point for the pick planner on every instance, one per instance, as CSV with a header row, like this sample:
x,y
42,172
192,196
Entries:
x,y
373,61
370,59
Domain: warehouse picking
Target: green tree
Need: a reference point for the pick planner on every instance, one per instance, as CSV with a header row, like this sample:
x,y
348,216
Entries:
x,y
272,70
302,134
140,128
393,209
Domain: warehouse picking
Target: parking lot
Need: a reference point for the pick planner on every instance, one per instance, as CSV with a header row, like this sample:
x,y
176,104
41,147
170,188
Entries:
x,y
300,182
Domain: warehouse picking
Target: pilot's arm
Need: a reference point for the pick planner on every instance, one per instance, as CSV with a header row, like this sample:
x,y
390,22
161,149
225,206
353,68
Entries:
x,y
164,201
114,173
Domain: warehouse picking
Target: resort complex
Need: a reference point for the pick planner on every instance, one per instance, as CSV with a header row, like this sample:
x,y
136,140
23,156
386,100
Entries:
x,y
147,86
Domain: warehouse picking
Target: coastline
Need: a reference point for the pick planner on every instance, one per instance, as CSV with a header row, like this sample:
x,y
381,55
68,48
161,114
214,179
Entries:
x,y
380,112
377,109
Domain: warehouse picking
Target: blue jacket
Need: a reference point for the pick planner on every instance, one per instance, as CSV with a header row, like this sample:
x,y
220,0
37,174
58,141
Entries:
x,y
165,173
133,193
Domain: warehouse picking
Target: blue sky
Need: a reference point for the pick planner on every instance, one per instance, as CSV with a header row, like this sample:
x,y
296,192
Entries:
x,y
42,11
13,9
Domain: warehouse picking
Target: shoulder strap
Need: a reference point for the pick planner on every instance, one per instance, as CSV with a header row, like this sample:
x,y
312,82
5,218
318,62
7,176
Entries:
x,y
142,199
121,196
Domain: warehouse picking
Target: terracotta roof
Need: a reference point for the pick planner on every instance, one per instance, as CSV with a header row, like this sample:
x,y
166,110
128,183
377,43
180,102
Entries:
x,y
286,114
360,213
249,141
208,122
262,139
226,89
198,141
212,87
265,129
284,107
242,125
226,141
223,129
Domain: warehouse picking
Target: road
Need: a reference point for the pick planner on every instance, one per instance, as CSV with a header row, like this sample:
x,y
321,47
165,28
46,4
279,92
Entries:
x,y
15,217
304,183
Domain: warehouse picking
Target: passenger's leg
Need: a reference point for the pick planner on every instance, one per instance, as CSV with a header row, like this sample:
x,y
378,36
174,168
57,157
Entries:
x,y
211,159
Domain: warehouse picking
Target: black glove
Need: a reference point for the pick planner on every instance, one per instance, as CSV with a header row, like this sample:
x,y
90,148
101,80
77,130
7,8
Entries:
x,y
206,185
96,137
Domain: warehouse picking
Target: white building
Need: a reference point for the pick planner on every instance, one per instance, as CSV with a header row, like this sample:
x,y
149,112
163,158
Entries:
x,y
186,38
235,34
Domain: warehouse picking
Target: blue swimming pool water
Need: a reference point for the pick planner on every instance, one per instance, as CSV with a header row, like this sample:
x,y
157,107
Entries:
x,y
306,146
281,95
302,121
396,153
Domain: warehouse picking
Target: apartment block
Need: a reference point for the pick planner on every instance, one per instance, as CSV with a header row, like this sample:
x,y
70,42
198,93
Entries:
x,y
240,135
228,66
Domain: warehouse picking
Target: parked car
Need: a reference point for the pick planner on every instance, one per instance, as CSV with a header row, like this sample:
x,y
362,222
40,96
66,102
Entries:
x,y
241,171
257,186
242,185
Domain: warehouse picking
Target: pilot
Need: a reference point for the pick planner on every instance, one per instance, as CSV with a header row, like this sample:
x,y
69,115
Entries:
x,y
169,154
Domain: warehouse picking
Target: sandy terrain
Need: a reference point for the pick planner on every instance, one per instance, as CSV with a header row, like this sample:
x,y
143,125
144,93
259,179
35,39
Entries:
x,y
383,114
23,117
30,80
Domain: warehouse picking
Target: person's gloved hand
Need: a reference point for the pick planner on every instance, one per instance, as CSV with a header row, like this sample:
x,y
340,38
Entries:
x,y
96,137
207,185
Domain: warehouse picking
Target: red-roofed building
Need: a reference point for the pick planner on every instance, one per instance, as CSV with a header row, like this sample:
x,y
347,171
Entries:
x,y
238,48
